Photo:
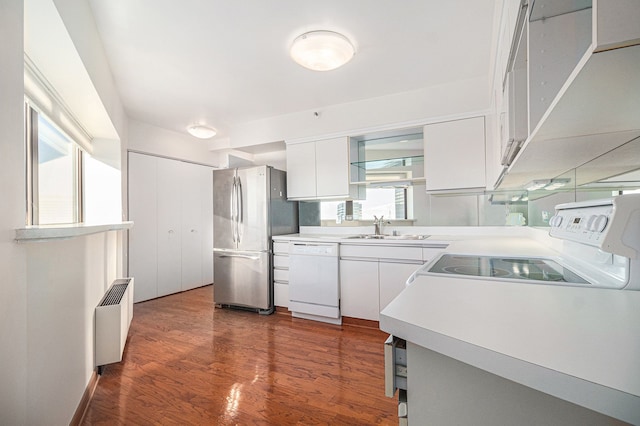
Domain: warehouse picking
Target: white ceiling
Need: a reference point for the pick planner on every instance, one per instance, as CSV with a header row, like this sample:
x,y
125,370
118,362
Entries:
x,y
224,63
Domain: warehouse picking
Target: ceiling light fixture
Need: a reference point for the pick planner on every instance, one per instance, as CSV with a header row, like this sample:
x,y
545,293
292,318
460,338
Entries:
x,y
202,132
322,50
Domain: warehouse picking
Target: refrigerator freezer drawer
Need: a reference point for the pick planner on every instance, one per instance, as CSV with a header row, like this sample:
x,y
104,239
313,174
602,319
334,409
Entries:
x,y
242,279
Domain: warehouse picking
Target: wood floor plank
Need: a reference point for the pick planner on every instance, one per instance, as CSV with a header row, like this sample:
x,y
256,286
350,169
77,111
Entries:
x,y
188,363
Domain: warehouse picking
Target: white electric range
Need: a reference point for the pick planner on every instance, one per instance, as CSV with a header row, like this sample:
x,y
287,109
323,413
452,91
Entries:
x,y
571,335
600,246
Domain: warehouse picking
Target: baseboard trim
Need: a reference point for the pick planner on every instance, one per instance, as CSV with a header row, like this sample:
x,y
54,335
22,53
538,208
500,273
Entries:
x,y
355,322
358,322
77,418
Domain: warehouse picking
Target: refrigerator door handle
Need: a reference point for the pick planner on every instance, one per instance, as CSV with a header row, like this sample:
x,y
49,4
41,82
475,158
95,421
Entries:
x,y
240,217
243,256
233,210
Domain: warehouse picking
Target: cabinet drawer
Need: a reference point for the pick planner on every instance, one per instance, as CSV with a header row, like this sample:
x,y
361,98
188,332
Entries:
x,y
281,275
395,365
281,262
281,294
378,251
281,247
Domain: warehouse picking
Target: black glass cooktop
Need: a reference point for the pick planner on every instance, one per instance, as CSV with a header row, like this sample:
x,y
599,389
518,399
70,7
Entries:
x,y
505,267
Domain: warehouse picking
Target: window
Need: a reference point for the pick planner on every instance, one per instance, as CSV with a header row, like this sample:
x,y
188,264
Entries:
x,y
54,170
102,193
388,202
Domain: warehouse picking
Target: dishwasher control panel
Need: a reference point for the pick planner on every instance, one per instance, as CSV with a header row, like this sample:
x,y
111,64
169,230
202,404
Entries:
x,y
313,248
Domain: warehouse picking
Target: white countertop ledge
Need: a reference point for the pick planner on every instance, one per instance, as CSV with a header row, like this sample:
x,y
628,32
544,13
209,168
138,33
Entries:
x,y
577,344
61,232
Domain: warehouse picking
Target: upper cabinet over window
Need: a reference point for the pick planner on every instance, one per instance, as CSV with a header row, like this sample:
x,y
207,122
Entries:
x,y
319,170
582,82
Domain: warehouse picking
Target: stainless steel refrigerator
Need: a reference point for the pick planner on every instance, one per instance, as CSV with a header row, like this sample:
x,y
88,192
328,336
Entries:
x,y
249,207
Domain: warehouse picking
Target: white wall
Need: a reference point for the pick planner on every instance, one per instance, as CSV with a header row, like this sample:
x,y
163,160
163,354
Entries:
x,y
421,106
65,281
48,291
81,27
13,285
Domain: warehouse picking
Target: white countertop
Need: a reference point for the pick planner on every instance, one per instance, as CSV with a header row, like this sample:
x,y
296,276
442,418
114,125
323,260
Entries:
x,y
581,345
431,241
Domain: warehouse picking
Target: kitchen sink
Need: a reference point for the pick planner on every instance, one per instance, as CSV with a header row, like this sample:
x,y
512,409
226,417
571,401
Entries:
x,y
405,237
388,237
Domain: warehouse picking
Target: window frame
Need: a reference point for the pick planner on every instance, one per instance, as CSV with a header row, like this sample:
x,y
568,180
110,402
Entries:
x,y
32,167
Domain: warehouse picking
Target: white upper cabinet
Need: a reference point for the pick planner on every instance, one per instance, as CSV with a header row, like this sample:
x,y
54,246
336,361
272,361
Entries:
x,y
454,155
332,167
580,99
319,170
301,170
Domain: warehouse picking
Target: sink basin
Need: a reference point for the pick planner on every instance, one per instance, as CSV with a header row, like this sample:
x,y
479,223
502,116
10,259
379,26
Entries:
x,y
405,237
388,237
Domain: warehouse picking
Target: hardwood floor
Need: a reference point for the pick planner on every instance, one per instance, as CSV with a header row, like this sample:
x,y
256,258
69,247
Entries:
x,y
188,363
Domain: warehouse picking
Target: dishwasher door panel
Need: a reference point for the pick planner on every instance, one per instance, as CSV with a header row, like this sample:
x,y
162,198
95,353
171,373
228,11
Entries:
x,y
314,280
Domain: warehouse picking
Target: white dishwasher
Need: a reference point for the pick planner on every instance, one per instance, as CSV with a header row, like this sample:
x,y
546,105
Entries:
x,y
314,286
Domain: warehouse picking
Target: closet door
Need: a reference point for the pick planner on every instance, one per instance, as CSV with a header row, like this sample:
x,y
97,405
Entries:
x,y
192,226
143,238
169,233
206,178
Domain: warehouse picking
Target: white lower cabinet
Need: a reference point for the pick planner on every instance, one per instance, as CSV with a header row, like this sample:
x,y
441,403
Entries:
x,y
281,273
171,242
372,275
359,297
438,385
393,277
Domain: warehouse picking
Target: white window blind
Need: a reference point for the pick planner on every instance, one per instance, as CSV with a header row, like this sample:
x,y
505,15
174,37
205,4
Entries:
x,y
43,97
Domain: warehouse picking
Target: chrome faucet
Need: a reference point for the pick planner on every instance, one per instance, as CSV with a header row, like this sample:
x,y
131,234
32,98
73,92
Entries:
x,y
377,224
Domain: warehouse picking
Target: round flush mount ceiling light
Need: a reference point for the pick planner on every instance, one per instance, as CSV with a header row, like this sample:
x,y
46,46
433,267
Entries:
x,y
322,50
202,132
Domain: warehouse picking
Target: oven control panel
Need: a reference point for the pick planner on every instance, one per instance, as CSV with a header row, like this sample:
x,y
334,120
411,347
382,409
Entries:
x,y
586,225
612,225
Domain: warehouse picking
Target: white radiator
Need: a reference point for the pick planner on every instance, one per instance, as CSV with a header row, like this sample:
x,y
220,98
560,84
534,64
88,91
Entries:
x,y
113,318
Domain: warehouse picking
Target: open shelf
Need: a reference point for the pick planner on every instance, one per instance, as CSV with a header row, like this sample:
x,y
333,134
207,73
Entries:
x,y
389,163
